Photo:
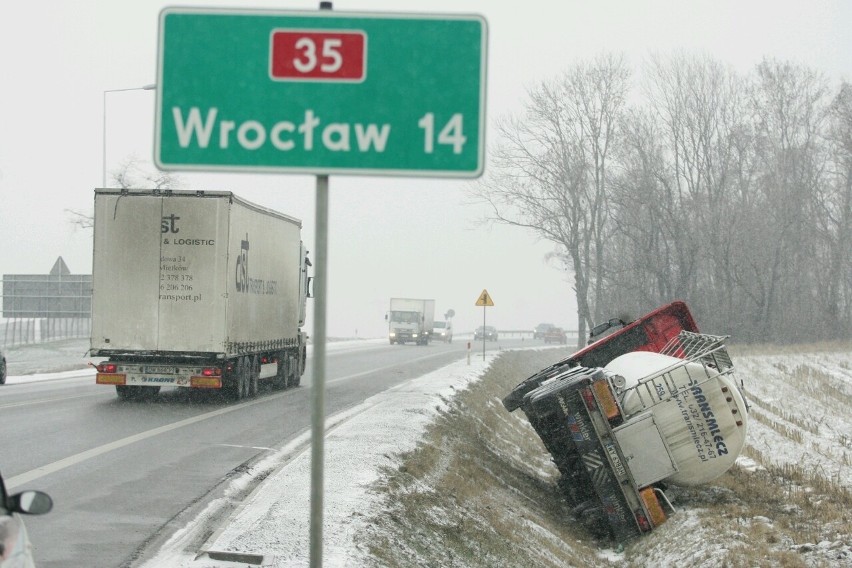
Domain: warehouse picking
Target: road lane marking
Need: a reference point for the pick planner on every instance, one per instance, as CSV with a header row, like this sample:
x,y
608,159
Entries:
x,y
380,369
43,400
64,463
40,472
244,447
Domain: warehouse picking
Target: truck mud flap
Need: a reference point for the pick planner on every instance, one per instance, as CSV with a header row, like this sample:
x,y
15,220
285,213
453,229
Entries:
x,y
591,486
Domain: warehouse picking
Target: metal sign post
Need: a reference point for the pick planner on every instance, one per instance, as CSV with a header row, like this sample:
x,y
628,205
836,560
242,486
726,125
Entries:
x,y
484,300
318,379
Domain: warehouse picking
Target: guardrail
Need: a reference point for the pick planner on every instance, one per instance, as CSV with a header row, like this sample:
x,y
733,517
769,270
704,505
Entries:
x,y
522,333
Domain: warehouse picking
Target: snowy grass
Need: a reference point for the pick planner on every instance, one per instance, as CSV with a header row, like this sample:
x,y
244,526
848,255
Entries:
x,y
479,489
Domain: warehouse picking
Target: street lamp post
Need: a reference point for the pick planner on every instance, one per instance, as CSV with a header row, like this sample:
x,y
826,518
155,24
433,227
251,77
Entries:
x,y
150,87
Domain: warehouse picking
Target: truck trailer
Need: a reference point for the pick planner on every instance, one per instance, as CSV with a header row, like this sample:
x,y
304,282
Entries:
x,y
195,289
654,403
411,320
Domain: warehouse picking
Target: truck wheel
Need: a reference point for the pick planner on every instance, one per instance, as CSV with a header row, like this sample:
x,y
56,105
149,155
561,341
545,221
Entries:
x,y
246,377
279,381
594,519
254,377
238,382
125,392
295,376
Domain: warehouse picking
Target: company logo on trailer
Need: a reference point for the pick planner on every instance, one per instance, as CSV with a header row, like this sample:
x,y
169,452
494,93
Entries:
x,y
243,281
168,225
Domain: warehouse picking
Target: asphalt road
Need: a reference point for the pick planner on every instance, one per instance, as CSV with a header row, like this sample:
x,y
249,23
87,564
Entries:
x,y
124,474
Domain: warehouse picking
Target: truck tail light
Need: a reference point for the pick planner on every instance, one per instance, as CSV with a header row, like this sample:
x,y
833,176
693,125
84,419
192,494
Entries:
x,y
211,371
107,368
609,407
652,504
644,524
588,398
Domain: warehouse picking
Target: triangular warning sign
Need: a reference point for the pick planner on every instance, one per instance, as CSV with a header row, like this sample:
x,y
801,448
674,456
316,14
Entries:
x,y
485,299
59,268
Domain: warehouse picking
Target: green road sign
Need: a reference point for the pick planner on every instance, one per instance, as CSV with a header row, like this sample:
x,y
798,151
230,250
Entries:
x,y
321,92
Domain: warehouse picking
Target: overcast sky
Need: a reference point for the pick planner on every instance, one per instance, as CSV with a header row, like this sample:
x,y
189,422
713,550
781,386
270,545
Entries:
x,y
388,236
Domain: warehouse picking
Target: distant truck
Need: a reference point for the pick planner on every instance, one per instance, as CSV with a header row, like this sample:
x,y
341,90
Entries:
x,y
655,402
410,320
199,290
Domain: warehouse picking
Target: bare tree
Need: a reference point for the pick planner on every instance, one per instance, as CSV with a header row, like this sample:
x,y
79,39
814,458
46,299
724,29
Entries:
x,y
549,170
131,174
834,217
789,105
732,192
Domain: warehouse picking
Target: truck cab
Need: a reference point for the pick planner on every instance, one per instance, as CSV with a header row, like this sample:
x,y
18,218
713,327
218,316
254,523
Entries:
x,y
404,326
410,320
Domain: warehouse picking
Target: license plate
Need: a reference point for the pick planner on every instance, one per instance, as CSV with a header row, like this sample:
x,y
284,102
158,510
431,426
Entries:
x,y
158,370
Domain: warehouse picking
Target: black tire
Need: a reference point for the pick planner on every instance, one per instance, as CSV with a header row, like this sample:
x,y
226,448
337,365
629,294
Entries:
x,y
2,371
279,382
126,392
254,377
295,377
237,388
246,377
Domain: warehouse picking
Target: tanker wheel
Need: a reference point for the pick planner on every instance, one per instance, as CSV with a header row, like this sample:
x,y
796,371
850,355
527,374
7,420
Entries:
x,y
594,519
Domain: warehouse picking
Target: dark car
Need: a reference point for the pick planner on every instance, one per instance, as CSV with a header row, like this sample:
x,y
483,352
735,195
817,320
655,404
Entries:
x,y
541,329
487,333
555,335
15,547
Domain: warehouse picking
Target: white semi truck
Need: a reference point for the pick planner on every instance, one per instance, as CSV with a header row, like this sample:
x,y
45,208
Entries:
x,y
196,290
411,320
654,403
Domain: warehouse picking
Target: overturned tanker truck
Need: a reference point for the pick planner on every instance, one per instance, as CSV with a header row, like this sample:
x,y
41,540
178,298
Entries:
x,y
655,402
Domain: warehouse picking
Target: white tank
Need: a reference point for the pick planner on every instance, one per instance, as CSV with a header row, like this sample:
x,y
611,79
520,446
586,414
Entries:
x,y
704,425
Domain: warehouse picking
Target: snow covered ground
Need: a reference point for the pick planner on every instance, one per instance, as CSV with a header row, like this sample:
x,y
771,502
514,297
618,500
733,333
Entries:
x,y
274,520
786,502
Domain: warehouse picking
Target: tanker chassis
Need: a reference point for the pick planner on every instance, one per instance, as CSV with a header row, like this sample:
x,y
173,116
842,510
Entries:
x,y
196,289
